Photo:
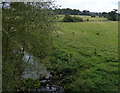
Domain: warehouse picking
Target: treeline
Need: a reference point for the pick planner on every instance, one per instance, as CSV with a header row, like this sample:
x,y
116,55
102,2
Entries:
x,y
113,15
68,11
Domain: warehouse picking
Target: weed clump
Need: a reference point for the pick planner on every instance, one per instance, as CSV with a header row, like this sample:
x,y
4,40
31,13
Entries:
x,y
97,33
87,19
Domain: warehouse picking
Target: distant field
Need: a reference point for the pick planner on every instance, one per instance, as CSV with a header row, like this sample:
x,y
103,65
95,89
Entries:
x,y
85,18
86,54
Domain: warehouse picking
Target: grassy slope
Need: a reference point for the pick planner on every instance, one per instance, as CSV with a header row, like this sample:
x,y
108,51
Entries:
x,y
91,52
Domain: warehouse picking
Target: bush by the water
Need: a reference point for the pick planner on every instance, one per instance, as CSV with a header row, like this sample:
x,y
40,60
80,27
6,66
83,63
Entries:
x,y
68,18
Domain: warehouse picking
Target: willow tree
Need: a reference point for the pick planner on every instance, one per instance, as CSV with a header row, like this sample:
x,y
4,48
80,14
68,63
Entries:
x,y
26,27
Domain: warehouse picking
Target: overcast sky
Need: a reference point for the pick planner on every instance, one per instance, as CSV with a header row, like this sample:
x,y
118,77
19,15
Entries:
x,y
91,5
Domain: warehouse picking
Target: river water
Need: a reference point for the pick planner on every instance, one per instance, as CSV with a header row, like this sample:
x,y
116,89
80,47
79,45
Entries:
x,y
35,70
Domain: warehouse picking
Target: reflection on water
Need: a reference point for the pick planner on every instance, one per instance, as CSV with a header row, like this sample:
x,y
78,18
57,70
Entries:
x,y
34,69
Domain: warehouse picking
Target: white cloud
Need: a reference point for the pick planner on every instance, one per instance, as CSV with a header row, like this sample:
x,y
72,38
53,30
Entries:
x,y
92,5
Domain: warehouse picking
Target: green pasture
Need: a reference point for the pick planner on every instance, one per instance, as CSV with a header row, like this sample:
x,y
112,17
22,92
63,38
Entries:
x,y
86,54
85,18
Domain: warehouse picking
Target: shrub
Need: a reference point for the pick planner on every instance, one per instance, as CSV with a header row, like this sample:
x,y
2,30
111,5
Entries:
x,y
87,19
68,18
97,33
30,83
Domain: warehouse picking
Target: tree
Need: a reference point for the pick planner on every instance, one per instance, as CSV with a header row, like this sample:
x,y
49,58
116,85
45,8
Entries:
x,y
86,12
26,27
67,11
112,16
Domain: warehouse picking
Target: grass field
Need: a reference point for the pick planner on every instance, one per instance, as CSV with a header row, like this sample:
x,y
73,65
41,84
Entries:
x,y
85,54
85,18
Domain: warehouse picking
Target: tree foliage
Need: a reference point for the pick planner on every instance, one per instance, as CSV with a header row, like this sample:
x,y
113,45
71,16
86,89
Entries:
x,y
26,27
68,11
112,16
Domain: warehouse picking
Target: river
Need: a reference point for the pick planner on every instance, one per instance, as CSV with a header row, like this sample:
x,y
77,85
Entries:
x,y
35,70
